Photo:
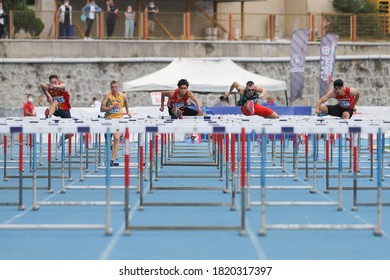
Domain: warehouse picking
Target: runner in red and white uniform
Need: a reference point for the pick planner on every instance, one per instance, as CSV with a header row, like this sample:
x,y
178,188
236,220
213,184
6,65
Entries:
x,y
178,101
346,101
58,97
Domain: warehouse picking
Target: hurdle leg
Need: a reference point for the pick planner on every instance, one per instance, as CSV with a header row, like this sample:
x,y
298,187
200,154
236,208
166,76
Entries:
x,y
70,160
295,155
315,144
63,165
243,182
156,156
108,229
29,149
49,155
262,230
233,166
327,164
5,158
307,157
248,171
227,163
354,140
371,149
40,149
151,151
141,172
21,205
34,170
340,168
380,143
81,151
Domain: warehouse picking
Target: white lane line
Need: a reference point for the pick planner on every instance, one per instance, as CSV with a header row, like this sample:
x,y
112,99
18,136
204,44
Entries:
x,y
118,234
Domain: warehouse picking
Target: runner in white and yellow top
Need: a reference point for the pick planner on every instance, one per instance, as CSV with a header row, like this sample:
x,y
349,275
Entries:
x,y
113,103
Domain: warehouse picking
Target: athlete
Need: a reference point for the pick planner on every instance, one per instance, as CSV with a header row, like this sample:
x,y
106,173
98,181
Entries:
x,y
113,104
58,97
178,101
249,100
346,98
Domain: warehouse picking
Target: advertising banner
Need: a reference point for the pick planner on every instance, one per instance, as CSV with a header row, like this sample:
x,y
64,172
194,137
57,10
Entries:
x,y
327,58
297,63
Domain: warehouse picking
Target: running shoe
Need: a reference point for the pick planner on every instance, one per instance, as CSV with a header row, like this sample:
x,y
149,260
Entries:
x,y
114,163
251,106
47,112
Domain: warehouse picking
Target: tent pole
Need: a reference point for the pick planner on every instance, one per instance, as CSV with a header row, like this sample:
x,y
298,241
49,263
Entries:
x,y
285,93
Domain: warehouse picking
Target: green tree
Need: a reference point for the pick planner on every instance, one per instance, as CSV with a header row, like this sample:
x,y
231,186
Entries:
x,y
369,25
348,6
24,18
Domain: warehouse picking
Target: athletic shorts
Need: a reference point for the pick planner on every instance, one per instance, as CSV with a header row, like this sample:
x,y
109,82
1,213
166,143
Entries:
x,y
337,111
65,114
186,112
260,110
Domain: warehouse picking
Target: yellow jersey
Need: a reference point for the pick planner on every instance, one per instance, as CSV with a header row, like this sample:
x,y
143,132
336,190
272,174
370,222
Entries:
x,y
116,113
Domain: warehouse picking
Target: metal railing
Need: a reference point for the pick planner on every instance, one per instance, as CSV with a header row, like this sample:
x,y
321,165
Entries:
x,y
203,26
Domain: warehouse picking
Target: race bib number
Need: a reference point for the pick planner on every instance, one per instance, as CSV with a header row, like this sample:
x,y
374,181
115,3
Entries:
x,y
178,105
344,104
59,99
115,110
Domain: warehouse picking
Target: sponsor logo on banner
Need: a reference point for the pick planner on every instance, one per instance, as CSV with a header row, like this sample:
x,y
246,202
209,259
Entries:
x,y
327,59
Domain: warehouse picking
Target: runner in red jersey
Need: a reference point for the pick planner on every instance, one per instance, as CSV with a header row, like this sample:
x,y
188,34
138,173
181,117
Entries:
x,y
178,101
346,101
249,100
58,97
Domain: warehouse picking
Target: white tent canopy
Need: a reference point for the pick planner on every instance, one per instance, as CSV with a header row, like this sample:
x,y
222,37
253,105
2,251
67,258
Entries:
x,y
202,75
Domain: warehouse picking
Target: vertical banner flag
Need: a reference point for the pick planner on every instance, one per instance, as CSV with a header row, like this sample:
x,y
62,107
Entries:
x,y
297,63
327,58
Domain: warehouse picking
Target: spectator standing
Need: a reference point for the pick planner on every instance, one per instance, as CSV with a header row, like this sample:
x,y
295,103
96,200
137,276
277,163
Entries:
x,y
3,19
129,22
28,107
41,101
90,10
112,13
65,15
152,11
95,103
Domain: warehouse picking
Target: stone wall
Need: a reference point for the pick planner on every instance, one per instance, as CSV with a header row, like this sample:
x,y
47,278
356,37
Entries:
x,y
86,80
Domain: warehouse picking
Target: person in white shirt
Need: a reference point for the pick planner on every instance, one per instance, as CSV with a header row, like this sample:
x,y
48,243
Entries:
x,y
65,18
90,10
95,103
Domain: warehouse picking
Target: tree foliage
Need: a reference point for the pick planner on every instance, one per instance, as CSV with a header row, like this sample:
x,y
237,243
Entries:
x,y
24,18
354,6
368,23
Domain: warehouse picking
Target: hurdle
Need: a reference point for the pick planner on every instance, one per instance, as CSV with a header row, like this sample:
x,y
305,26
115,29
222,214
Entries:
x,y
237,126
170,150
318,130
66,127
180,126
